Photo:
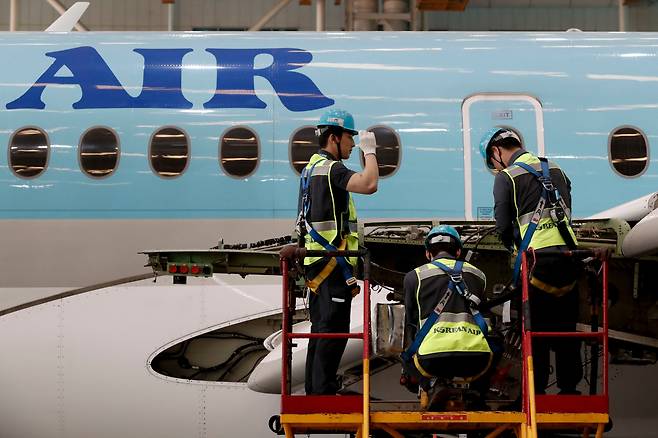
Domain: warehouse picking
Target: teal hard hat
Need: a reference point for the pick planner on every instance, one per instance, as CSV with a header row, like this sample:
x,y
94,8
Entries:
x,y
340,118
442,234
491,136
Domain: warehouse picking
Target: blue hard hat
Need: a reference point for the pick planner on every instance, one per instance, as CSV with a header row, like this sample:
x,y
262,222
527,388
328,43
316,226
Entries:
x,y
442,234
496,133
340,118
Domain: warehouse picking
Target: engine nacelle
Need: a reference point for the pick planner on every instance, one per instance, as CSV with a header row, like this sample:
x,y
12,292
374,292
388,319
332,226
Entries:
x,y
631,211
643,237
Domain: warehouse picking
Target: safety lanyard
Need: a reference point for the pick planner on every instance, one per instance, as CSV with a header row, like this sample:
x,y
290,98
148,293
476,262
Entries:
x,y
455,284
346,268
547,188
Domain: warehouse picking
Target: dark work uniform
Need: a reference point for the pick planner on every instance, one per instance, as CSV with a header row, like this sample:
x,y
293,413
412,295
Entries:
x,y
549,312
330,305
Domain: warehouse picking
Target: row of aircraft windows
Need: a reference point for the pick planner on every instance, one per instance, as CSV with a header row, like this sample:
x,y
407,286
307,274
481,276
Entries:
x,y
239,151
169,151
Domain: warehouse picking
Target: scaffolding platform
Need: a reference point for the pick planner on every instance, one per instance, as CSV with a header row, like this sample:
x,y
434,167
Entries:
x,y
586,415
396,422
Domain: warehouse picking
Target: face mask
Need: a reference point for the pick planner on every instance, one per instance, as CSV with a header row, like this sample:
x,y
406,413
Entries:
x,y
498,160
340,148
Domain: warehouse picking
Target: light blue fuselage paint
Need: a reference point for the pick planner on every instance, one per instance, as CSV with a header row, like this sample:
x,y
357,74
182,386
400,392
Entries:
x,y
567,91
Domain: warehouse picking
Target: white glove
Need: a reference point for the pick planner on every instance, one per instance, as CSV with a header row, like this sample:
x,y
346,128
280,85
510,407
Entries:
x,y
367,142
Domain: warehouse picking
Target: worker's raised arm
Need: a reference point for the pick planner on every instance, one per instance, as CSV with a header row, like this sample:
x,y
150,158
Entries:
x,y
365,182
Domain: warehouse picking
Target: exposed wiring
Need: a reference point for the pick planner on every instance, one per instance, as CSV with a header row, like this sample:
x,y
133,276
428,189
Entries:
x,y
251,370
183,361
400,231
276,241
174,354
221,365
488,231
237,360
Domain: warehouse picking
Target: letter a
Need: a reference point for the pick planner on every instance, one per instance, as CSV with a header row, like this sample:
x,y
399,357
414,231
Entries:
x,y
100,88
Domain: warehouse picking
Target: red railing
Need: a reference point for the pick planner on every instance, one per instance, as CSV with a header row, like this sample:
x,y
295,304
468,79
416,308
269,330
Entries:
x,y
593,403
304,404
328,404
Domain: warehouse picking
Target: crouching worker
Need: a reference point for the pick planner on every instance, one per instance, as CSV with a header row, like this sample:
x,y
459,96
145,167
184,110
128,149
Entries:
x,y
445,335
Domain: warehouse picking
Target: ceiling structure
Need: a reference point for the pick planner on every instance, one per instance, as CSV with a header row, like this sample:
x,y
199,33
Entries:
x,y
215,15
545,3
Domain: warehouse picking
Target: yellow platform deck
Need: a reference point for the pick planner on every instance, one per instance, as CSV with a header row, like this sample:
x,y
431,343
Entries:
x,y
396,422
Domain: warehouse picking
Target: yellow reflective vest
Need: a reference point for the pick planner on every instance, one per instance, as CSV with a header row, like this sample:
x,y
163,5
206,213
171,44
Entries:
x,y
456,330
546,234
333,225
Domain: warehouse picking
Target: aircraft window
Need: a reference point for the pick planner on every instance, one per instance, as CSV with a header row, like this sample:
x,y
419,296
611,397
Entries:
x,y
303,144
99,152
388,150
28,152
628,151
169,151
239,151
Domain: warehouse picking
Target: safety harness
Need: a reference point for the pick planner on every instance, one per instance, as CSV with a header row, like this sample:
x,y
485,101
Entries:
x,y
457,285
305,227
551,196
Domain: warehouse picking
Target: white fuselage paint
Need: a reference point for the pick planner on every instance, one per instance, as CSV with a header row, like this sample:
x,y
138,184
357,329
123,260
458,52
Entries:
x,y
78,366
78,253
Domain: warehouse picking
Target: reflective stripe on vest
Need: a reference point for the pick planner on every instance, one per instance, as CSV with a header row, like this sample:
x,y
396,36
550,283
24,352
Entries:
x,y
331,226
429,270
328,228
547,233
526,218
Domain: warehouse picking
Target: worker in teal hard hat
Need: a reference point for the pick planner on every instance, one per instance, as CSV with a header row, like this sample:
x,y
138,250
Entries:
x,y
497,136
445,335
337,125
340,118
532,208
444,234
327,221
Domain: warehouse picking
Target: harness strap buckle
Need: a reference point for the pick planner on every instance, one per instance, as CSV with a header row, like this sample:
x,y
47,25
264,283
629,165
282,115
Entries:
x,y
547,183
557,214
456,277
474,300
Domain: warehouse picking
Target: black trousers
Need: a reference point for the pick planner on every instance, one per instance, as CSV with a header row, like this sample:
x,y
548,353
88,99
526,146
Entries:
x,y
552,313
465,365
555,314
330,313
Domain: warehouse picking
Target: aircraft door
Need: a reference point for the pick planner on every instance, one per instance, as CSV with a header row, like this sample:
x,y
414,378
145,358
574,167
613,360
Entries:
x,y
480,113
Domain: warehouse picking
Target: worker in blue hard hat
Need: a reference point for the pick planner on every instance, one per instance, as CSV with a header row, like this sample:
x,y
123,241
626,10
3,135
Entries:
x,y
445,334
327,220
532,207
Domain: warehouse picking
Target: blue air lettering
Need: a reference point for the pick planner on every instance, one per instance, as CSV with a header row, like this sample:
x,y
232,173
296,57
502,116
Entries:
x,y
100,87
162,84
296,91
